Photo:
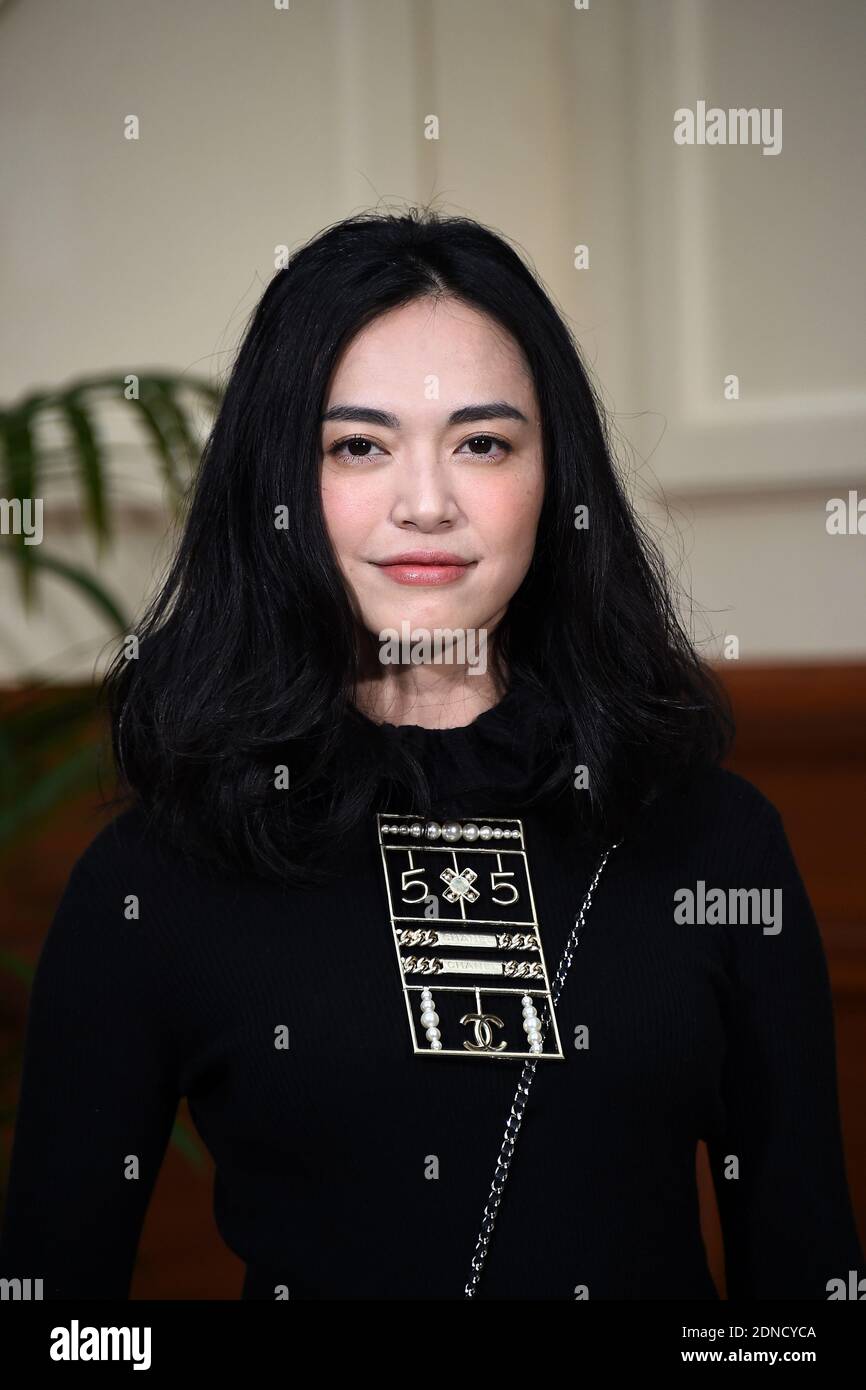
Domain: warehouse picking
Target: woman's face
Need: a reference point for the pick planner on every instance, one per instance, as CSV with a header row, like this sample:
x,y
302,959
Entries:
x,y
436,457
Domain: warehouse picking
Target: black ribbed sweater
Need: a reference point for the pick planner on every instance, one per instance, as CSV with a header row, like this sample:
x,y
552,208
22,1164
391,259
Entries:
x,y
349,1168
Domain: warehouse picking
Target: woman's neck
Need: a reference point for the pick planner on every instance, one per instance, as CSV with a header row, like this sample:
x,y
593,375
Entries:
x,y
435,697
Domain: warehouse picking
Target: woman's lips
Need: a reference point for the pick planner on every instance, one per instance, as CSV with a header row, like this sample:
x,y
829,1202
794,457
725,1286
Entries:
x,y
427,569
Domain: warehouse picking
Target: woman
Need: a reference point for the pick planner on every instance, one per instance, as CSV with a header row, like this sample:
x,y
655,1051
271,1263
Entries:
x,y
412,715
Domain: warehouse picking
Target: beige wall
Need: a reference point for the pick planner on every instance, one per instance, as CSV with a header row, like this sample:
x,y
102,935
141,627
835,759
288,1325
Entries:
x,y
259,126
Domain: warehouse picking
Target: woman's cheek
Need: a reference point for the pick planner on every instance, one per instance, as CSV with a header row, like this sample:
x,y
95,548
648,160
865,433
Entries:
x,y
509,520
348,514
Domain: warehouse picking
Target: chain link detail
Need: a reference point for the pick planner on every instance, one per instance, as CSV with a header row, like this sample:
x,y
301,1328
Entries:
x,y
521,1095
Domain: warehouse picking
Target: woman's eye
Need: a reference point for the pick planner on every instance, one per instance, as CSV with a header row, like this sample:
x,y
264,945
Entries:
x,y
485,445
357,445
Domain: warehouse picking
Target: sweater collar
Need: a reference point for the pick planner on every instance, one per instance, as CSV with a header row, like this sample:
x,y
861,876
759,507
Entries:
x,y
502,755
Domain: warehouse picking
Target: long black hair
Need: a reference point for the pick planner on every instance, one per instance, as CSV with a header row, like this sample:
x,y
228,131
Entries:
x,y
249,654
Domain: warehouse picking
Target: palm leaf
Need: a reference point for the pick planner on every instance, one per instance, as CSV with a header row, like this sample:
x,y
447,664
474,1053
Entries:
x,y
30,736
75,774
89,454
89,586
166,420
159,425
19,465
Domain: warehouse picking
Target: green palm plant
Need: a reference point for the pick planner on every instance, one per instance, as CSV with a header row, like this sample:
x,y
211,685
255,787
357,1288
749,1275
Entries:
x,y
42,760
49,747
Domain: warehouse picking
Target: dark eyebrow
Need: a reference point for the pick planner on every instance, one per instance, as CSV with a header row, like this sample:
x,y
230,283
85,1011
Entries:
x,y
466,415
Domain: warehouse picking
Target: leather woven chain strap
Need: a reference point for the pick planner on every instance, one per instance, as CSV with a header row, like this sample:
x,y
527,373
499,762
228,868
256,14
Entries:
x,y
521,1095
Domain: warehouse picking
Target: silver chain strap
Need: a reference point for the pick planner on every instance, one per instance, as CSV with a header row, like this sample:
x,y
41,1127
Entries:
x,y
521,1095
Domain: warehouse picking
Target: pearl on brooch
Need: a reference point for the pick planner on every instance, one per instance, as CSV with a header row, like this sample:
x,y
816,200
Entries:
x,y
452,832
531,1025
429,1019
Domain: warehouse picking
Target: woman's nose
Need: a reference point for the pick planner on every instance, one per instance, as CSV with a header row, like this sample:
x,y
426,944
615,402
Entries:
x,y
424,494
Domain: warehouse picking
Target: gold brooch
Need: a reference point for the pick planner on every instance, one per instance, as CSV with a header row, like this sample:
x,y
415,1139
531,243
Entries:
x,y
463,887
